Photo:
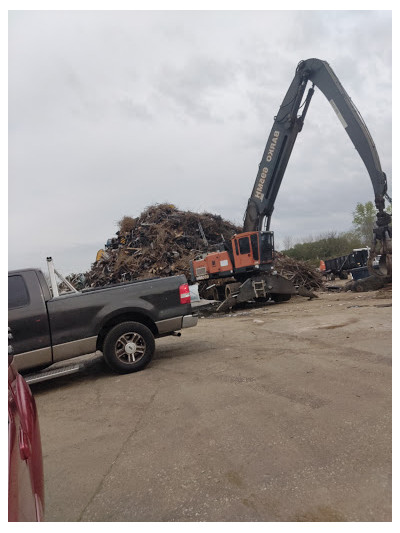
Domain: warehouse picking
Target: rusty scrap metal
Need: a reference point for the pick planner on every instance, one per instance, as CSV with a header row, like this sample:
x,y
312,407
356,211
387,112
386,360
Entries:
x,y
163,240
160,242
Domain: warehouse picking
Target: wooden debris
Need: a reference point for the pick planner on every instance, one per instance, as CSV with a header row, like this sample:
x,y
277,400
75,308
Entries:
x,y
301,273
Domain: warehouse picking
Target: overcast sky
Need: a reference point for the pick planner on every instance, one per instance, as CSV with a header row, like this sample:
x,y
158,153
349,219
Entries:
x,y
113,111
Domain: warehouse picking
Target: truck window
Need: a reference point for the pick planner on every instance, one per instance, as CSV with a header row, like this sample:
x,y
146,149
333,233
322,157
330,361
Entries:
x,y
244,245
254,246
18,295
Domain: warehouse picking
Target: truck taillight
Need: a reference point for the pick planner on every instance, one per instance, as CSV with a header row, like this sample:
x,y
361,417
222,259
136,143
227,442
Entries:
x,y
184,293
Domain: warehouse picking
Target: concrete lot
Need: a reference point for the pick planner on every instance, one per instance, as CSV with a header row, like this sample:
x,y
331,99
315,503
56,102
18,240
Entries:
x,y
276,413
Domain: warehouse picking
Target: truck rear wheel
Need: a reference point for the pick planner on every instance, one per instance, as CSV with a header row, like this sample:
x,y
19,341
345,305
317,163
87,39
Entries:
x,y
128,347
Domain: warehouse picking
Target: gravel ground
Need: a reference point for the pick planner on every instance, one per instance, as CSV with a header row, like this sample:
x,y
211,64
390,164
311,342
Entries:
x,y
280,412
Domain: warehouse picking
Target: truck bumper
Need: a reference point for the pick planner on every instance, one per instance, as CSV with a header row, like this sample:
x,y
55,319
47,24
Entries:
x,y
189,321
169,325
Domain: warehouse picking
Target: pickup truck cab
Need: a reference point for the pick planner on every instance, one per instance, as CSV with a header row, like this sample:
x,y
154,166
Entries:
x,y
120,320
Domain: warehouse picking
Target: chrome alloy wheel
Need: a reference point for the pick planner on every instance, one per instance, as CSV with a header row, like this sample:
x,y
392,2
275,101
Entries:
x,y
130,347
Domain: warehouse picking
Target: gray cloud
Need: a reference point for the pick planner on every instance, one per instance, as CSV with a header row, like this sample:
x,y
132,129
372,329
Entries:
x,y
110,112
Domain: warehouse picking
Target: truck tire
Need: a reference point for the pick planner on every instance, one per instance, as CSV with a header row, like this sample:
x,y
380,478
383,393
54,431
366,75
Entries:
x,y
231,289
128,347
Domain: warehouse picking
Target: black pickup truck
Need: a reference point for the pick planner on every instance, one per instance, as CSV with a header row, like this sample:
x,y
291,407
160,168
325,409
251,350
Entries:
x,y
122,321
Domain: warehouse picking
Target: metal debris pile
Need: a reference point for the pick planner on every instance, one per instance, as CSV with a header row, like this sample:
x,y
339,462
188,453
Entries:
x,y
163,240
160,242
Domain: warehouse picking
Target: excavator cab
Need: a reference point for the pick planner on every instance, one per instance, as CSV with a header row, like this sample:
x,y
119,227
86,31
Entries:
x,y
253,249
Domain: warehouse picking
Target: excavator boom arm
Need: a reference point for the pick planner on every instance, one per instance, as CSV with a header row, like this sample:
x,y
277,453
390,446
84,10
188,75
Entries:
x,y
288,124
323,77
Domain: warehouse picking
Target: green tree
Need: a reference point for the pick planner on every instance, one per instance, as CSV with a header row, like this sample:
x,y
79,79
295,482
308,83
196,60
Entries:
x,y
364,218
324,246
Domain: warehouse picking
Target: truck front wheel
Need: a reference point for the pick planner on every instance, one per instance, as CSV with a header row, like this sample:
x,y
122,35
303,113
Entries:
x,y
128,347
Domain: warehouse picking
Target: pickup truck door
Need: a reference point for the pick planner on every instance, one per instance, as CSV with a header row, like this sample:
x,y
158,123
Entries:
x,y
28,320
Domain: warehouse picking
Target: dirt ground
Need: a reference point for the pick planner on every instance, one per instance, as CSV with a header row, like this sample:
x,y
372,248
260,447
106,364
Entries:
x,y
273,413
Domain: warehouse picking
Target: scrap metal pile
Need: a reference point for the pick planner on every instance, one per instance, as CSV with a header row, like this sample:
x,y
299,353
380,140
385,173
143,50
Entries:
x,y
163,240
160,242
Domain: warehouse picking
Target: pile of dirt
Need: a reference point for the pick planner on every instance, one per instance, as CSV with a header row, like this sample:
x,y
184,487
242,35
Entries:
x,y
160,242
371,283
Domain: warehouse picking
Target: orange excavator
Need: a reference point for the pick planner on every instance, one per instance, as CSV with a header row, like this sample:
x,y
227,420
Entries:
x,y
248,258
